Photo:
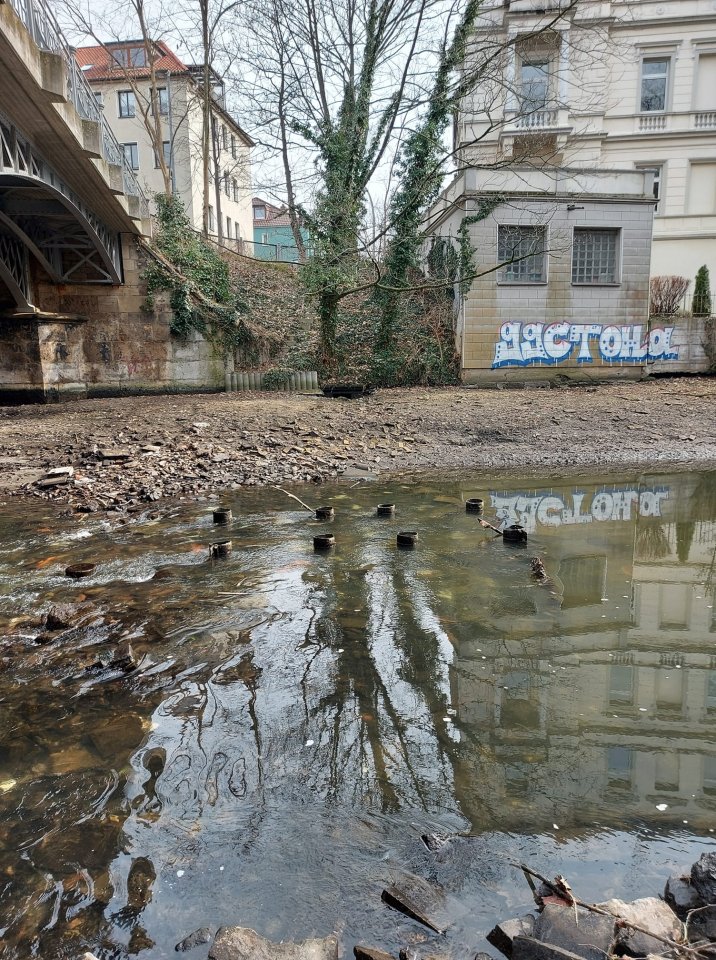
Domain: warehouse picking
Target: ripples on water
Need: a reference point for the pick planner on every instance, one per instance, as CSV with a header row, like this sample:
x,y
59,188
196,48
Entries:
x,y
298,720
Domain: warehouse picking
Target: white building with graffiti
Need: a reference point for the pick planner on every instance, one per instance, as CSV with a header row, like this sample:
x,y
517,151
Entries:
x,y
589,143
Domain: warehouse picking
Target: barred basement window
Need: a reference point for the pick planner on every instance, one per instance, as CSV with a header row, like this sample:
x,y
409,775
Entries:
x,y
522,251
595,256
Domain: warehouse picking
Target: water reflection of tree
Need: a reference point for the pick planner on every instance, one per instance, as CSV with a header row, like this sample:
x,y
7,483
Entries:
x,y
651,541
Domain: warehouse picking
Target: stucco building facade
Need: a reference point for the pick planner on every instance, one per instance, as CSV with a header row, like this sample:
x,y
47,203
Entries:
x,y
119,77
591,134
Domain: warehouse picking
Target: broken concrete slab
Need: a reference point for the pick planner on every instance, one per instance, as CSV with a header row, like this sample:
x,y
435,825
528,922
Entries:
x,y
242,943
650,913
703,877
681,895
529,948
361,952
589,935
115,454
419,900
503,935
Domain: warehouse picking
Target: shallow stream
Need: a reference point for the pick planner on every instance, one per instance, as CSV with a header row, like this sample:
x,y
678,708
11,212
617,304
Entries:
x,y
297,720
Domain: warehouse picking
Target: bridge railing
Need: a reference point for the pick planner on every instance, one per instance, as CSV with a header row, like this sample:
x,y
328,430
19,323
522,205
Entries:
x,y
47,34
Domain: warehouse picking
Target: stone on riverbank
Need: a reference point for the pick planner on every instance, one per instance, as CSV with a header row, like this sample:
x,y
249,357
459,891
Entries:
x,y
503,935
681,895
242,943
195,939
703,877
650,913
589,935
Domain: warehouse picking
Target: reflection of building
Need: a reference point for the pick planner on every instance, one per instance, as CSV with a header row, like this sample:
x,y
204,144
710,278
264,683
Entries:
x,y
120,76
607,700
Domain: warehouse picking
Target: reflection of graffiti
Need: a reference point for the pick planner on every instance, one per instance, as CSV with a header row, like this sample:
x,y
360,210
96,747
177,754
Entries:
x,y
522,344
551,510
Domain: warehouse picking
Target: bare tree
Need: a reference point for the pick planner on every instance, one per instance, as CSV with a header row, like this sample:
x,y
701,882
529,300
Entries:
x,y
146,23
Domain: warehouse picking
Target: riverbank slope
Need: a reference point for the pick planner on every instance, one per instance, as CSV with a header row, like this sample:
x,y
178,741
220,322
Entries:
x,y
132,450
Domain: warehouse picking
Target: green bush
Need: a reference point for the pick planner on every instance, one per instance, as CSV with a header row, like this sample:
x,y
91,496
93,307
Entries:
x,y
701,304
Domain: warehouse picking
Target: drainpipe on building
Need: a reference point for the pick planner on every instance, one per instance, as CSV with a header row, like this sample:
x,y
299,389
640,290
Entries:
x,y
171,132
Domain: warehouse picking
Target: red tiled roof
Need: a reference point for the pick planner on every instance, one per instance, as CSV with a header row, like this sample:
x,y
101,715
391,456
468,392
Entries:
x,y
275,216
97,63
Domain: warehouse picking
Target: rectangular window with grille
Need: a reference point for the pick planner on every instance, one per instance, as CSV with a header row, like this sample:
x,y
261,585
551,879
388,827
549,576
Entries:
x,y
233,146
127,104
522,251
131,154
595,256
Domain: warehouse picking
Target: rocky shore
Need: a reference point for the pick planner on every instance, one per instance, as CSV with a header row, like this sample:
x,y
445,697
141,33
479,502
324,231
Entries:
x,y
111,454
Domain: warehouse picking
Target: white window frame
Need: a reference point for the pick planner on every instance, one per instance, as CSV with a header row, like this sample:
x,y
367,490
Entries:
x,y
582,228
668,56
509,282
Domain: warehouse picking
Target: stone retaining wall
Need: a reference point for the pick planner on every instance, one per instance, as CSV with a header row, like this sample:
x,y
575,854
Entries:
x,y
106,344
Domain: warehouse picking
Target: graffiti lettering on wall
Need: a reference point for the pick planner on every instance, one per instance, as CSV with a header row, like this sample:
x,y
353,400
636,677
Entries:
x,y
522,344
554,510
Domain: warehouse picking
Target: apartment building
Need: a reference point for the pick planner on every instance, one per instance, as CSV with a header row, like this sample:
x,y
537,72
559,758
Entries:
x,y
119,74
592,135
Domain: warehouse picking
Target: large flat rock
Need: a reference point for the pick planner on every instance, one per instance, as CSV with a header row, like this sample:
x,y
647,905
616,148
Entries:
x,y
589,935
242,943
653,915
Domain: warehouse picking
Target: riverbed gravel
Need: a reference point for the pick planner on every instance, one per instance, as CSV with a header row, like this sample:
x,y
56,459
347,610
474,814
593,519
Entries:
x,y
124,451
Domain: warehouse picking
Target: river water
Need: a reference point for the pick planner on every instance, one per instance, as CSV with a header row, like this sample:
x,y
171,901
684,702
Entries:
x,y
297,720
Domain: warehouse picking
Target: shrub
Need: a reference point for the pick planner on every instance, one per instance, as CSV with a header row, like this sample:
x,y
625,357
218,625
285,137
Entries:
x,y
666,295
701,304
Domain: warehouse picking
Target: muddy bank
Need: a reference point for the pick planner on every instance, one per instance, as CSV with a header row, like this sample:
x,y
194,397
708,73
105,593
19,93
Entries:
x,y
144,449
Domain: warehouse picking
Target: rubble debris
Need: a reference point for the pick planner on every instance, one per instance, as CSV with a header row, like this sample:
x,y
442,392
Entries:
x,y
242,943
62,616
529,948
124,658
115,455
361,952
502,936
195,939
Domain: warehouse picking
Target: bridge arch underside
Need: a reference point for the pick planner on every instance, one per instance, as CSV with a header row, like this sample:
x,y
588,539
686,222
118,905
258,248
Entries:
x,y
38,222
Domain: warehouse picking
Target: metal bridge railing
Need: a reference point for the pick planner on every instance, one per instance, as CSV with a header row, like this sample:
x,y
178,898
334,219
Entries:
x,y
47,34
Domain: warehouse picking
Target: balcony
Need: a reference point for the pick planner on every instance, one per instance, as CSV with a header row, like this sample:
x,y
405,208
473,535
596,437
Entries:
x,y
542,120
675,122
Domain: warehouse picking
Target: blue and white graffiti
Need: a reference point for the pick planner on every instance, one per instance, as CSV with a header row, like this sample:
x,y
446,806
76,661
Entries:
x,y
549,509
522,344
